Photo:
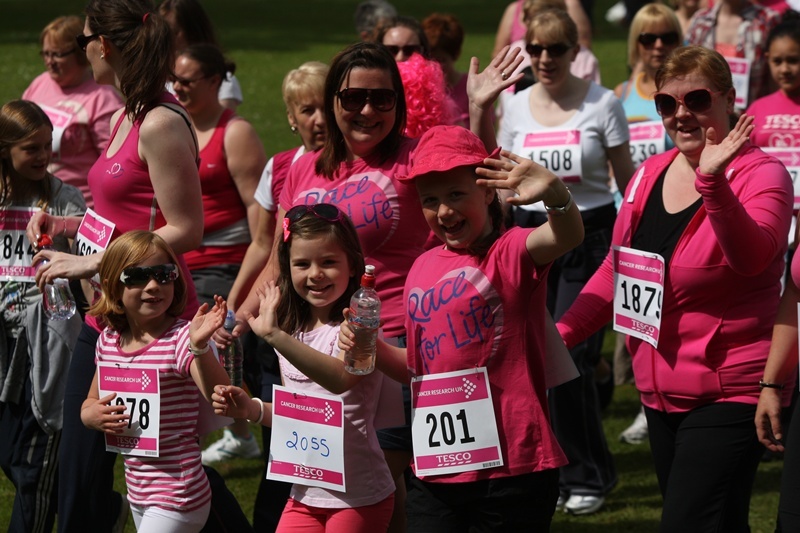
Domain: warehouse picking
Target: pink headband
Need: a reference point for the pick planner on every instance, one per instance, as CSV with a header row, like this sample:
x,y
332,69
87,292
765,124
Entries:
x,y
144,18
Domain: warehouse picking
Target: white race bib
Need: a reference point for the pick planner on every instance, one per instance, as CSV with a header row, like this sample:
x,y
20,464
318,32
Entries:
x,y
790,157
647,139
453,427
94,235
638,293
138,388
15,249
558,151
740,72
307,445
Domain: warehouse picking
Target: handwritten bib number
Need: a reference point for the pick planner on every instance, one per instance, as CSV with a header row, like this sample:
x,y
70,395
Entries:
x,y
638,293
453,427
15,249
740,73
790,157
94,235
558,151
307,445
138,389
647,139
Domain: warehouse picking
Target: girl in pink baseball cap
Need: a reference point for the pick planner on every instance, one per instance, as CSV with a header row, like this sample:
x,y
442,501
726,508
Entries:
x,y
484,453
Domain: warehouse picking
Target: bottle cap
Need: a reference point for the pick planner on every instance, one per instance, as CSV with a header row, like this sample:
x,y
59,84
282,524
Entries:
x,y
230,320
44,241
368,279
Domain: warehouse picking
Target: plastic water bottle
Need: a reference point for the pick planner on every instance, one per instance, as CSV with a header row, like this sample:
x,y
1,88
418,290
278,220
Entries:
x,y
233,355
365,318
57,298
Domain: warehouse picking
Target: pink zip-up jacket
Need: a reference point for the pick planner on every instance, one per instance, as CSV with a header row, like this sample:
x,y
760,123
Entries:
x,y
721,291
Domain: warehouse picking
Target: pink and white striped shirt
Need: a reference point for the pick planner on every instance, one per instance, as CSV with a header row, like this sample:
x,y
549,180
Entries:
x,y
175,480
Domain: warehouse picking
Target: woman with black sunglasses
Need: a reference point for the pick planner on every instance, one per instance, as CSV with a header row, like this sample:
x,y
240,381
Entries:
x,y
694,280
576,129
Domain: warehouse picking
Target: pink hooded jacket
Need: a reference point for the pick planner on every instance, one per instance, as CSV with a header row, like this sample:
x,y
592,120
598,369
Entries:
x,y
722,288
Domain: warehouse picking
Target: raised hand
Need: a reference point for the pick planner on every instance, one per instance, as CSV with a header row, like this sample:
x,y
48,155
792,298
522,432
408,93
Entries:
x,y
717,155
483,88
531,182
266,323
206,322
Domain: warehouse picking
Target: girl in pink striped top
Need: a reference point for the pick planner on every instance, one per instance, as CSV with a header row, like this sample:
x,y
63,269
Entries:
x,y
142,300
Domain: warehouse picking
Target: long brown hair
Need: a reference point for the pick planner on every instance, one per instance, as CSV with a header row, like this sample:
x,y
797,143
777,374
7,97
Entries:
x,y
19,121
145,43
366,56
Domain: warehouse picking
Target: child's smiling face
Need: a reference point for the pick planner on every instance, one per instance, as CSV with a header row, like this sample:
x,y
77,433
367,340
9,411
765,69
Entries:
x,y
455,207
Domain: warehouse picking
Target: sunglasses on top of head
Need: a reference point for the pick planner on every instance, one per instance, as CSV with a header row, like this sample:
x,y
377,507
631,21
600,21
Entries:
x,y
382,100
667,39
408,50
328,212
696,101
554,50
136,276
84,40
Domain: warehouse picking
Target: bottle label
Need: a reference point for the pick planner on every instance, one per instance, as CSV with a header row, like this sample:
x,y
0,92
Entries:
x,y
307,445
94,236
453,427
139,389
17,252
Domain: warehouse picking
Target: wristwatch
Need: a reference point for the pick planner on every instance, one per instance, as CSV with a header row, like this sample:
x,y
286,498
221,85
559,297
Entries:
x,y
560,210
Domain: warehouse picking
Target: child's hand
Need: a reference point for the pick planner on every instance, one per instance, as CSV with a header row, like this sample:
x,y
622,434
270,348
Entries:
x,y
206,322
102,415
347,339
531,182
228,400
265,325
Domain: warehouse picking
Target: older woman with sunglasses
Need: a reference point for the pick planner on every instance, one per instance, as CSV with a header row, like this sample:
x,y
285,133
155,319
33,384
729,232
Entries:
x,y
79,108
575,128
694,280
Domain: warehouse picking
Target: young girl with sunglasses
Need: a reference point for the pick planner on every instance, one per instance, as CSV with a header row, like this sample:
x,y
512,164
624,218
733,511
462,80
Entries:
x,y
320,268
35,351
476,307
143,296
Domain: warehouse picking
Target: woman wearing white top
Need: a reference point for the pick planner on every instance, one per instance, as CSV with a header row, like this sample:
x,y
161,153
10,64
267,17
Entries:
x,y
575,128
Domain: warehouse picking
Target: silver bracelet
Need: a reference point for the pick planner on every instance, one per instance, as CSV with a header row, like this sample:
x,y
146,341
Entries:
x,y
261,415
560,210
199,351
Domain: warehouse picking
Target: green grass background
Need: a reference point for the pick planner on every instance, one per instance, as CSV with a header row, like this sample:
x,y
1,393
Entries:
x,y
267,38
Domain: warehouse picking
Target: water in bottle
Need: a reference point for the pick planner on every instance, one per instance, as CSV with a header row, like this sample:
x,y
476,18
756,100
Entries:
x,y
57,298
365,317
233,355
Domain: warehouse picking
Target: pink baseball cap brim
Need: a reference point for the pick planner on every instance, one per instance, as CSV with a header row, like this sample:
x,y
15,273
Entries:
x,y
444,148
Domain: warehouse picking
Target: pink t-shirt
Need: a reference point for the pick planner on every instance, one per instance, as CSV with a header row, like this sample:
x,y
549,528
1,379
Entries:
x,y
386,213
81,116
777,121
174,480
465,312
366,474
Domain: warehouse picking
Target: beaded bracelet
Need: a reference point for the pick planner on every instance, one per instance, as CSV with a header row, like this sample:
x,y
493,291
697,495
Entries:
x,y
261,415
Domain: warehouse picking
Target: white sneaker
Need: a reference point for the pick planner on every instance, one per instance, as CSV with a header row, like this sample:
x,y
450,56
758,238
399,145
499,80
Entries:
x,y
581,505
617,13
636,432
562,501
229,447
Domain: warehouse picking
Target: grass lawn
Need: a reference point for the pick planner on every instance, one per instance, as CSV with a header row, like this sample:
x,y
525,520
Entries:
x,y
266,38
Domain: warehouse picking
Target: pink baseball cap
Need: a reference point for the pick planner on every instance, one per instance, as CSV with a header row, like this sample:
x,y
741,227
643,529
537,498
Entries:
x,y
444,148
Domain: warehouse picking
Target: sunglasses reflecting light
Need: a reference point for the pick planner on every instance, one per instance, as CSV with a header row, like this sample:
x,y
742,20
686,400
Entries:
x,y
667,39
382,100
696,101
554,50
162,274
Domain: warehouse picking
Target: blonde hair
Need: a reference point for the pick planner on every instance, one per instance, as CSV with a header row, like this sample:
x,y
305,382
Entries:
x,y
306,80
654,13
129,250
531,8
63,31
555,24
